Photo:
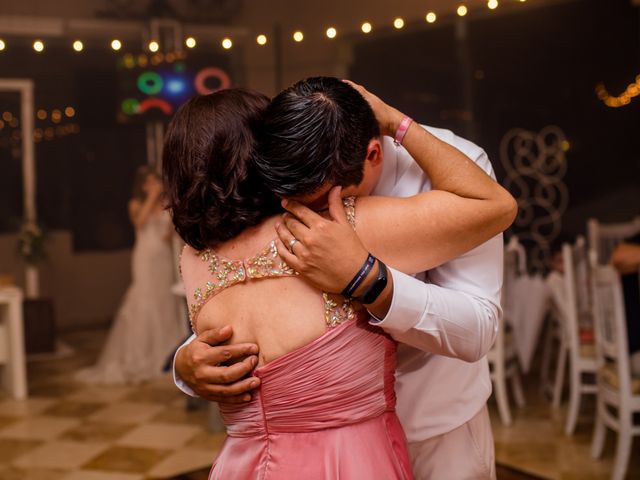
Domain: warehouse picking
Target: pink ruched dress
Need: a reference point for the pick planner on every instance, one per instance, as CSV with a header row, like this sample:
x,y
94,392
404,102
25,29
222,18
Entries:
x,y
323,411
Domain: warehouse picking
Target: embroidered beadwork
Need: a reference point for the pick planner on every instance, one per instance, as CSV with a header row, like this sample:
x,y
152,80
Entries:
x,y
350,208
268,264
335,314
265,264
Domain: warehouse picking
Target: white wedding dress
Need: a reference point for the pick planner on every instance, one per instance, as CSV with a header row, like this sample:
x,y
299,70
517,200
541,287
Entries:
x,y
148,325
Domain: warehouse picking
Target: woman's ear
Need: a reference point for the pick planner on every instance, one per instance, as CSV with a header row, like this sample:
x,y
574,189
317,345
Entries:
x,y
374,152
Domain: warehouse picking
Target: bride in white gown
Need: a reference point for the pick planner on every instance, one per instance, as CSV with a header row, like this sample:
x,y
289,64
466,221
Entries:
x,y
147,326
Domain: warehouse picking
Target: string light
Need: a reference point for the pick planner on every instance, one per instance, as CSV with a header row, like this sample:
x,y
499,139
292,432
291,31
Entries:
x,y
632,91
69,112
298,36
2,45
42,114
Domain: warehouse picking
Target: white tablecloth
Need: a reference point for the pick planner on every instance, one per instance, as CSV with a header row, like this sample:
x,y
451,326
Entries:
x,y
527,311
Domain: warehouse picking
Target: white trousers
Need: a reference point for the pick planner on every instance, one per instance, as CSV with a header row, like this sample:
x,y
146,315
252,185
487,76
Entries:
x,y
466,453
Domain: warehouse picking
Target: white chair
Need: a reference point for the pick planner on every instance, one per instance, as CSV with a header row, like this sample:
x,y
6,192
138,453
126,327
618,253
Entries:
x,y
604,237
618,391
13,367
573,304
503,360
553,337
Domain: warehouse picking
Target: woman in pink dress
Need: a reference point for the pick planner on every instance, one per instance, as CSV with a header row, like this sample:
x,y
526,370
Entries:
x,y
326,405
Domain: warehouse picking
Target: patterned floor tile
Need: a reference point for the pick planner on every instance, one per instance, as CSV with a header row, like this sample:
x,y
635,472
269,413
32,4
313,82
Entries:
x,y
154,394
186,460
60,455
39,428
127,412
73,409
208,441
180,415
159,436
97,432
94,475
14,473
22,408
127,459
13,448
100,394
6,420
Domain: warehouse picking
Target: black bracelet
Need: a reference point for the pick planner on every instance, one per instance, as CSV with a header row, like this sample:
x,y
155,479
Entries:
x,y
376,288
359,277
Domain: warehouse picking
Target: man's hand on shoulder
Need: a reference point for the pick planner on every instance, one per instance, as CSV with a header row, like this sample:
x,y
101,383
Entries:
x,y
208,367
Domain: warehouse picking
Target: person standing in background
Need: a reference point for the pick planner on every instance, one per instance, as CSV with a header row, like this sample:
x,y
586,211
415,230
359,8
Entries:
x,y
146,327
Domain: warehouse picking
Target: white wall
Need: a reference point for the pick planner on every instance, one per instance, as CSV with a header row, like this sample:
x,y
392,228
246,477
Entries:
x,y
86,287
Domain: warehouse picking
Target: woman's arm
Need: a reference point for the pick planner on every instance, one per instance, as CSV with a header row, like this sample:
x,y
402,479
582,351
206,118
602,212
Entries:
x,y
465,209
411,234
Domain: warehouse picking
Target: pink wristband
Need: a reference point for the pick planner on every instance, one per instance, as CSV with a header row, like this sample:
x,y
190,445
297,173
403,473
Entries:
x,y
402,130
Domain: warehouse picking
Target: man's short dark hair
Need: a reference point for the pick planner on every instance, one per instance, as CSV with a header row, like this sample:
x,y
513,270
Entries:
x,y
314,132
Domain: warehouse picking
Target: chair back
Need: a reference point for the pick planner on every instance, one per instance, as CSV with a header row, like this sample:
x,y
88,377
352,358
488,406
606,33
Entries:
x,y
605,237
515,265
576,304
612,350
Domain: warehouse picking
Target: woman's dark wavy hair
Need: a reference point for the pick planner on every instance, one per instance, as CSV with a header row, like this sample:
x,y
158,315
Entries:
x,y
212,191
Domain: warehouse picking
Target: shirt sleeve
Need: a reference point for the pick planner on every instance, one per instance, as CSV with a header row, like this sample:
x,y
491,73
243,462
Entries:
x,y
456,311
457,315
176,379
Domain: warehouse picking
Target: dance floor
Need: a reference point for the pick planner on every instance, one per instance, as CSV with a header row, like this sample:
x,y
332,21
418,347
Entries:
x,y
67,431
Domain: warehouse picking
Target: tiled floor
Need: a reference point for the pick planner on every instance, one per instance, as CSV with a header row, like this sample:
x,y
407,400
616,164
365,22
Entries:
x,y
536,442
68,431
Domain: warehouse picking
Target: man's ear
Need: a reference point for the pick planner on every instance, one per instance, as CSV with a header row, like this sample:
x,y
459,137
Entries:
x,y
374,152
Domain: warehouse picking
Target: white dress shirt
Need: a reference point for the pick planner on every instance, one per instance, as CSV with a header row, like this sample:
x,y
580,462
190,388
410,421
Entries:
x,y
446,320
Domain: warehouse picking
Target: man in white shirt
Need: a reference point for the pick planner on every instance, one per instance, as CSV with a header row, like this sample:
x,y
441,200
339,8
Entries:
x,y
445,321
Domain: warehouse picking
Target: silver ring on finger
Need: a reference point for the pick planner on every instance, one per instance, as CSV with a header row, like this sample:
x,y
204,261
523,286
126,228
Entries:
x,y
292,242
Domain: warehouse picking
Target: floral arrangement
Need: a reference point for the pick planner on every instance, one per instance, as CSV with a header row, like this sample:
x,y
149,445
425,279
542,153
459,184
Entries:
x,y
31,243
